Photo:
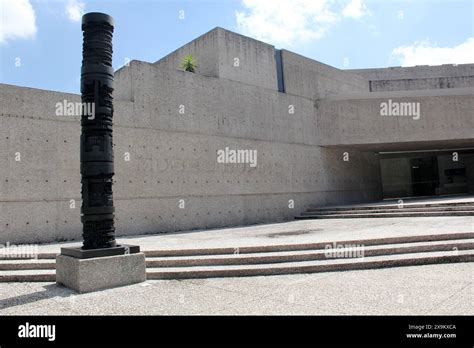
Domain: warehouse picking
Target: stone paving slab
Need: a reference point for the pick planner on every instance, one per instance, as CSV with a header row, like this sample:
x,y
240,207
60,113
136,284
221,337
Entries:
x,y
420,290
293,232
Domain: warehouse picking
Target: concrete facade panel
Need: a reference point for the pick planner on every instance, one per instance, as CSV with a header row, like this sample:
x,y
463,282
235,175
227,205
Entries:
x,y
358,121
163,162
311,79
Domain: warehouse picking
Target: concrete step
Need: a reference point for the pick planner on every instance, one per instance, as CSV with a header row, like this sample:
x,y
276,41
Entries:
x,y
378,210
27,264
306,255
308,246
314,266
395,206
384,215
29,275
275,259
282,253
311,266
40,256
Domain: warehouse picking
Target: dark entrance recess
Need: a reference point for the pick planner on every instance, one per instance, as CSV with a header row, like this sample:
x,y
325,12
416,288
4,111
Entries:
x,y
424,176
430,173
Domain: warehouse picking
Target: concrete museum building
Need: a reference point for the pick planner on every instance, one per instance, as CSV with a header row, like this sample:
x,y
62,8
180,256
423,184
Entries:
x,y
255,135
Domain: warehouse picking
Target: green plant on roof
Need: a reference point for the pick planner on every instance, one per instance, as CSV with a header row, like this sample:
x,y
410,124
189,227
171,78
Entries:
x,y
189,63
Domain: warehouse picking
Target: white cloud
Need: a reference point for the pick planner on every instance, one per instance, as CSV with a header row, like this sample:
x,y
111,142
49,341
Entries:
x,y
287,22
75,10
355,9
426,53
17,20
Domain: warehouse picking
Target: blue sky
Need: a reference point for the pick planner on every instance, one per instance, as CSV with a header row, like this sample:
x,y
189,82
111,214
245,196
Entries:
x,y
40,41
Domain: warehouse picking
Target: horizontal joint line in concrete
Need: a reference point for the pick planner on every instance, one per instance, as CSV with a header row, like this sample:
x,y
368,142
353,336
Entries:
x,y
207,135
76,119
181,196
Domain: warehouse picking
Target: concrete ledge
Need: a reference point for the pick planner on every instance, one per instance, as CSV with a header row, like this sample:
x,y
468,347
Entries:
x,y
86,275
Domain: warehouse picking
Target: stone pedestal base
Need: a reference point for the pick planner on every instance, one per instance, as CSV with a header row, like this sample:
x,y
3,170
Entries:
x,y
97,273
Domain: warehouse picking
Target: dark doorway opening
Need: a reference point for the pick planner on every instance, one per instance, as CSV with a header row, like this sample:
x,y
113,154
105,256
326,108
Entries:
x,y
424,176
427,173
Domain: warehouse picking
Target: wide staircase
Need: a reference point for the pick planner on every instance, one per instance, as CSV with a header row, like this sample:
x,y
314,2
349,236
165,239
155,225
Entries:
x,y
262,260
391,210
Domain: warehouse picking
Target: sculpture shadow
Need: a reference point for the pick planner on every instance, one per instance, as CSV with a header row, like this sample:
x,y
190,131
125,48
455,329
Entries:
x,y
50,291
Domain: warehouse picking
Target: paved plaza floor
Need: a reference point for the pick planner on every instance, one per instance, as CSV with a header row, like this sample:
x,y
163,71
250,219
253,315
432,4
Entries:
x,y
293,232
415,290
445,289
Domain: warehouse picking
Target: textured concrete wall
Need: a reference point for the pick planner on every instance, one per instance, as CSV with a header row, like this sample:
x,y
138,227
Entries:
x,y
425,83
446,116
222,53
256,60
205,49
419,77
309,78
172,157
416,72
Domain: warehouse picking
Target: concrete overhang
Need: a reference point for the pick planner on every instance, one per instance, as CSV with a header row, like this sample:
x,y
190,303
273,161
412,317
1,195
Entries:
x,y
445,120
